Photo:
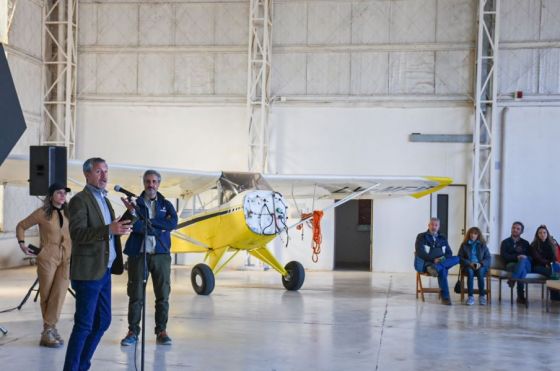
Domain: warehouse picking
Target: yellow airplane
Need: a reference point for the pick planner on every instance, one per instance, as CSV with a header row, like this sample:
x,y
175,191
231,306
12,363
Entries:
x,y
250,210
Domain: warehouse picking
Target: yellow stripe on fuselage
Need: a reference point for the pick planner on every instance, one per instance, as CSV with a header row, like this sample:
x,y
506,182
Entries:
x,y
223,227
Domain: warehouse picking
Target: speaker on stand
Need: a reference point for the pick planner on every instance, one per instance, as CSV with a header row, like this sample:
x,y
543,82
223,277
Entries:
x,y
47,165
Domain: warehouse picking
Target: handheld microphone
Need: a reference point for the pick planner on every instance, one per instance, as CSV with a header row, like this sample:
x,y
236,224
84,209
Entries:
x,y
120,189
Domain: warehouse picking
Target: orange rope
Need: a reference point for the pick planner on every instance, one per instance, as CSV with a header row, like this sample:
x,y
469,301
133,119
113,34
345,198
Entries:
x,y
317,235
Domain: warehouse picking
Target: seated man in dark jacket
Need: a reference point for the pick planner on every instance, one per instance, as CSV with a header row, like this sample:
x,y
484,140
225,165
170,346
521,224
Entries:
x,y
163,218
434,252
515,251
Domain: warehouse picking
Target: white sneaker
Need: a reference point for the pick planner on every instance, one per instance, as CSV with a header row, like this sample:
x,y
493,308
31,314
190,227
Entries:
x,y
470,300
482,300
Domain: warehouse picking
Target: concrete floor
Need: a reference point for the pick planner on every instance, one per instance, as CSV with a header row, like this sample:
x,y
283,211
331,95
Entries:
x,y
338,321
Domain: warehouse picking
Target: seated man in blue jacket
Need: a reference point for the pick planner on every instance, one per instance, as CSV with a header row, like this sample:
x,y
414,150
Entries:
x,y
433,255
161,213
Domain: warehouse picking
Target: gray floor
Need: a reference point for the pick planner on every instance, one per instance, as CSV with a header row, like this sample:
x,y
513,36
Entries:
x,y
338,321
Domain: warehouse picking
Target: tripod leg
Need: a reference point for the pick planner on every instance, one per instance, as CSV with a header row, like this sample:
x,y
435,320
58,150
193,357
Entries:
x,y
36,295
28,294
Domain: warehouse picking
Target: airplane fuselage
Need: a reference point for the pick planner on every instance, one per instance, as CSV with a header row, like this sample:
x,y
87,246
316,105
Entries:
x,y
248,221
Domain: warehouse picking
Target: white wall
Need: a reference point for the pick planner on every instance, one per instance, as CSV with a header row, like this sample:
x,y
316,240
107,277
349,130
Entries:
x,y
374,141
531,178
198,138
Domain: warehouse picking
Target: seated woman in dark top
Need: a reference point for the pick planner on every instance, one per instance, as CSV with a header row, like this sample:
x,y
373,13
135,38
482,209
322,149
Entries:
x,y
475,261
543,253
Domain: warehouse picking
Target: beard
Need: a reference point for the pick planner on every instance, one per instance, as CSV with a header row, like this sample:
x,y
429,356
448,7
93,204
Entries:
x,y
151,193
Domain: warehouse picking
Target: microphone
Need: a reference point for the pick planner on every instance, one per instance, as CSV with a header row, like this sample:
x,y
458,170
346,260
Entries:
x,y
120,189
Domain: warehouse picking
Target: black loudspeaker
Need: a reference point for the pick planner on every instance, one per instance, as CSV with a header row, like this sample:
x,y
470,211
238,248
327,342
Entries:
x,y
47,165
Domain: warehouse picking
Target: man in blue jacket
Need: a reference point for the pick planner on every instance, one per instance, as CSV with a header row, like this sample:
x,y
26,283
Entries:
x,y
161,213
433,255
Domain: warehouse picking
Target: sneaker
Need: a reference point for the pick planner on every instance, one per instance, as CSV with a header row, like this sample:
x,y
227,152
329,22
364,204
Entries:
x,y
470,300
163,339
130,339
57,336
48,339
482,300
521,300
446,301
431,271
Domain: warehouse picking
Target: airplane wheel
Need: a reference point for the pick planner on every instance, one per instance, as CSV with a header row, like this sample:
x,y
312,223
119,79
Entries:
x,y
296,276
202,279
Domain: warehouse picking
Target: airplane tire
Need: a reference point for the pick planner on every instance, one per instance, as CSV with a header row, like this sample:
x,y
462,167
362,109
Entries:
x,y
202,279
296,276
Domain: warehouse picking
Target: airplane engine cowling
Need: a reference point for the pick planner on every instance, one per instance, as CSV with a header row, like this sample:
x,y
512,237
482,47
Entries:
x,y
265,212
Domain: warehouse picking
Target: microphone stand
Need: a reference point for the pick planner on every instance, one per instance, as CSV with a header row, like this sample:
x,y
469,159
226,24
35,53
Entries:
x,y
147,225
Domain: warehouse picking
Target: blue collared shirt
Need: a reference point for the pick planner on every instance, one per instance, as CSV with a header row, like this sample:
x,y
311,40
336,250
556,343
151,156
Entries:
x,y
99,195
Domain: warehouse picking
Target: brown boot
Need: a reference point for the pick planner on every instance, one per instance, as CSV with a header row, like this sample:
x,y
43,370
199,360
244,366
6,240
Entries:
x,y
48,339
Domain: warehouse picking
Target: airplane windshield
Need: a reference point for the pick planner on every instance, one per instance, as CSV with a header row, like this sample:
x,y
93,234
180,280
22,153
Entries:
x,y
231,184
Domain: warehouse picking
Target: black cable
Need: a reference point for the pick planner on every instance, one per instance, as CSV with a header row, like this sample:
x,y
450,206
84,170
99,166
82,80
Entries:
x,y
261,214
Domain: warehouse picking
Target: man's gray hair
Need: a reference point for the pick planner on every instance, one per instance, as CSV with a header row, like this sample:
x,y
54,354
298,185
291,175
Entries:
x,y
90,162
434,219
152,172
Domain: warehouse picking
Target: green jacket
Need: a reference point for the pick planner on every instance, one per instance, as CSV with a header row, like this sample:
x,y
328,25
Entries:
x,y
90,238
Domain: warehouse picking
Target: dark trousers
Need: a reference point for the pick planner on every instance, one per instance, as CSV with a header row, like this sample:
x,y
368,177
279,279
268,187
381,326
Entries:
x,y
159,266
91,320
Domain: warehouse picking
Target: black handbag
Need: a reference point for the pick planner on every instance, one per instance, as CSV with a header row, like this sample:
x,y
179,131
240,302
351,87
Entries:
x,y
457,288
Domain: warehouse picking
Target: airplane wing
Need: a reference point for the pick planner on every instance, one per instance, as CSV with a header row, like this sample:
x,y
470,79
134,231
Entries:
x,y
364,187
176,182
180,182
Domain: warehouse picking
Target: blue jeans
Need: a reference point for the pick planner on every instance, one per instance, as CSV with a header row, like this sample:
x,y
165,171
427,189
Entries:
x,y
480,277
442,269
91,320
519,271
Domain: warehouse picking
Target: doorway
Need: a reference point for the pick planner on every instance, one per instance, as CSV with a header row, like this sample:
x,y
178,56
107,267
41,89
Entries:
x,y
352,244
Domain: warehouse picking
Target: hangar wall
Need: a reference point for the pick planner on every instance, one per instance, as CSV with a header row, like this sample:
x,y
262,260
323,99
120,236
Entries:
x,y
530,176
350,81
342,140
369,72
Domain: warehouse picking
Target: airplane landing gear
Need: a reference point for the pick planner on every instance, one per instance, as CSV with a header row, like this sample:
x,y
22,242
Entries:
x,y
296,276
202,279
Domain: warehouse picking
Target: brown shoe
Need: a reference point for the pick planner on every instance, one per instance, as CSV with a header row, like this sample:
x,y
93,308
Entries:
x,y
48,339
446,301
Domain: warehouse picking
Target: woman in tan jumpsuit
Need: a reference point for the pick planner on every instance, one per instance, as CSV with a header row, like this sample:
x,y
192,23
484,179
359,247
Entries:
x,y
53,262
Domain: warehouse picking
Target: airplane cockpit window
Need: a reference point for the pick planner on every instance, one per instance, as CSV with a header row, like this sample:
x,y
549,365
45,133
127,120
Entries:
x,y
231,184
